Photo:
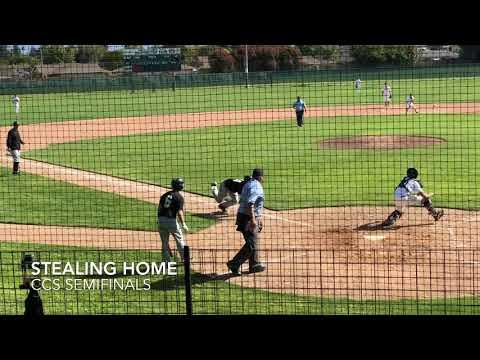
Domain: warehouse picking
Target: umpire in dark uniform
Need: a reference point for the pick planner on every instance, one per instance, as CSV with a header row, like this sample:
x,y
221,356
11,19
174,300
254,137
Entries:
x,y
250,224
170,208
14,142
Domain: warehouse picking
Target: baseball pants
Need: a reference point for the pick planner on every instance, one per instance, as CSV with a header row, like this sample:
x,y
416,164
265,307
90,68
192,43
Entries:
x,y
401,204
224,196
15,155
167,226
299,118
17,108
249,251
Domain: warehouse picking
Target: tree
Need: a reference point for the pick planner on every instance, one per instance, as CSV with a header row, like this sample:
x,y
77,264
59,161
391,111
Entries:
x,y
221,60
90,53
268,58
380,54
112,60
16,56
58,54
288,58
16,51
325,52
4,53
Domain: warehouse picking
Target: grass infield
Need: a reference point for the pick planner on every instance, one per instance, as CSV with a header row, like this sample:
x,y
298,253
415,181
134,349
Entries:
x,y
32,199
299,173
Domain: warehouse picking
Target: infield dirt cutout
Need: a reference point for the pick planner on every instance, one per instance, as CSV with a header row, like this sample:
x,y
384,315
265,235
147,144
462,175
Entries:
x,y
339,251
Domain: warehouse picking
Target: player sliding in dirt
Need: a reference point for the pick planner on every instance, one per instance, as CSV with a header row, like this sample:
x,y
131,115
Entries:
x,y
410,193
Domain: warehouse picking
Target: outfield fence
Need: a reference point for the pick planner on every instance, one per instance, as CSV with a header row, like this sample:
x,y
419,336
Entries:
x,y
173,81
97,156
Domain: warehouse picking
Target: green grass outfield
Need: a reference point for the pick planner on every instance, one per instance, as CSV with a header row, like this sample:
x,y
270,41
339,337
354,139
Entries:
x,y
167,293
299,174
38,108
37,200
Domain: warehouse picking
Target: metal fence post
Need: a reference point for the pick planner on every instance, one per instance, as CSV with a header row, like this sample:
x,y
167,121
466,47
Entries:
x,y
188,282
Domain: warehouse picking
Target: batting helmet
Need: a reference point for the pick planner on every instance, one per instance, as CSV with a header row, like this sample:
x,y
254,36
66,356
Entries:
x,y
178,184
412,173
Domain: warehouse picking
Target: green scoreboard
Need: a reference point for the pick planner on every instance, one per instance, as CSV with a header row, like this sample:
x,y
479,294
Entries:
x,y
153,60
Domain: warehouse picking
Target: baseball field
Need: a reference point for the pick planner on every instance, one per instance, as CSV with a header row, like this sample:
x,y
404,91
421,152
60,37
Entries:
x,y
95,165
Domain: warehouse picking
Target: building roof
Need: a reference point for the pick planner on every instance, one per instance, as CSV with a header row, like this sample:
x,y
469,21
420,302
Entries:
x,y
19,71
70,69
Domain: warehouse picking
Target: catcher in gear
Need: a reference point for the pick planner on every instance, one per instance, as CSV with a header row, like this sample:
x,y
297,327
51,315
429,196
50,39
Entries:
x,y
410,193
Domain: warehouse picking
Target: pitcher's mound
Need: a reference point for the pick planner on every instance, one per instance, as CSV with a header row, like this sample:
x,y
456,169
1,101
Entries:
x,y
379,142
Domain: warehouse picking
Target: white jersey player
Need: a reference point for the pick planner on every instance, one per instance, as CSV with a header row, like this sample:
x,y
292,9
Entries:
x,y
387,94
410,193
410,103
16,103
358,85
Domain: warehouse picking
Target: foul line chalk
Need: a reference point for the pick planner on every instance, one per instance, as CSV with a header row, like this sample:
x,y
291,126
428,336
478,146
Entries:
x,y
288,221
374,237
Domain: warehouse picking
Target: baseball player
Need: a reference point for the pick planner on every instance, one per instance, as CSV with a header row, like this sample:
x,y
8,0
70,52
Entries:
x,y
387,94
410,193
229,192
14,142
16,103
170,208
358,85
300,109
410,104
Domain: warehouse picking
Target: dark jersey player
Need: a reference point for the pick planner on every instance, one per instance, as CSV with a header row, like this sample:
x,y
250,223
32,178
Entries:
x,y
171,218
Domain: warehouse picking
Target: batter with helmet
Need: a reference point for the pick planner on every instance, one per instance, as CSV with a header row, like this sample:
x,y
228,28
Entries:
x,y
410,193
171,218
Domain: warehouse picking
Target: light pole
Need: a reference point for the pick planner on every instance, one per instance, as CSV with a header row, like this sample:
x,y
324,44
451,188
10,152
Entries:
x,y
246,64
41,62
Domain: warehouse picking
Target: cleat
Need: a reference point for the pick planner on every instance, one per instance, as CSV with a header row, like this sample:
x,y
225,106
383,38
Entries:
x,y
257,268
235,270
438,215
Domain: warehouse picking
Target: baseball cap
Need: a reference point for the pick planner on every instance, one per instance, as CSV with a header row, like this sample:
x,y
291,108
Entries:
x,y
15,123
257,173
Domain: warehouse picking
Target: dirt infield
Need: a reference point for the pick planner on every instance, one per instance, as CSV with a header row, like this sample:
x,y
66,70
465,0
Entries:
x,y
339,251
379,142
